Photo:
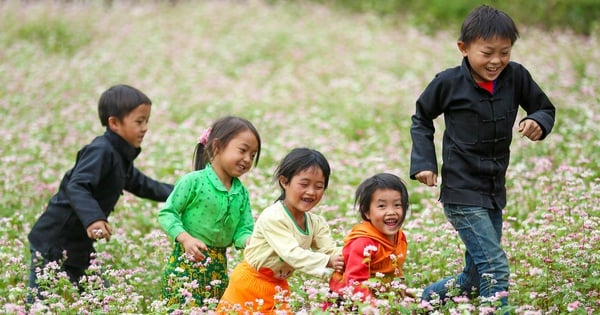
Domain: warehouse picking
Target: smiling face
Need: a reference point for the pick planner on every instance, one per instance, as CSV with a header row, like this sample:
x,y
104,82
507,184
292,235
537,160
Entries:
x,y
235,158
487,57
386,212
303,191
133,126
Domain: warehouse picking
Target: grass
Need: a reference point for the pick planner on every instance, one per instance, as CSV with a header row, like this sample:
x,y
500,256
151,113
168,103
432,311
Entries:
x,y
305,75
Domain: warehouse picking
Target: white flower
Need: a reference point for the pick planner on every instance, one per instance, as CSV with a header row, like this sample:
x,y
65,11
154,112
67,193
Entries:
x,y
368,249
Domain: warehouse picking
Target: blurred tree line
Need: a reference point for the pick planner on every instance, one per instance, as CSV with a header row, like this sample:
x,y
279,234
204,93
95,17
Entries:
x,y
581,16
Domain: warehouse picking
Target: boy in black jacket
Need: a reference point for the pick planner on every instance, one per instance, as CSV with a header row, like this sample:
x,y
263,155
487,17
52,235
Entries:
x,y
479,101
77,215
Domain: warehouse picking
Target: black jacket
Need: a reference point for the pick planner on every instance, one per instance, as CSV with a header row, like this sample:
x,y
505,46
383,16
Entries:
x,y
87,193
478,133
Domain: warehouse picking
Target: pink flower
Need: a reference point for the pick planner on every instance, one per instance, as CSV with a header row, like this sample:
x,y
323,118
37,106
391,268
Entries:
x,y
573,306
204,136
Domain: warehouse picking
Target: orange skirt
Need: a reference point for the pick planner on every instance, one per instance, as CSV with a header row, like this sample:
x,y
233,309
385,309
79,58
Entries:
x,y
256,292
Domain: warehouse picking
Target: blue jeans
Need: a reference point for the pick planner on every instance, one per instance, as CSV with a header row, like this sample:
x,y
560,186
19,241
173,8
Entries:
x,y
486,266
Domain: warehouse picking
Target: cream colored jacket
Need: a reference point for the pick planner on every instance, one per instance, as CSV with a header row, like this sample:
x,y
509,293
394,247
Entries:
x,y
278,244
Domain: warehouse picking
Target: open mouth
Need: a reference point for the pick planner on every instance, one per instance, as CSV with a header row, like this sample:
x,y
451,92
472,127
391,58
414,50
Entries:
x,y
492,70
308,200
391,222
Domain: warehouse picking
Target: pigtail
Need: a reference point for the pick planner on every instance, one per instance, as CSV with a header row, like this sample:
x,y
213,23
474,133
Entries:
x,y
200,156
199,160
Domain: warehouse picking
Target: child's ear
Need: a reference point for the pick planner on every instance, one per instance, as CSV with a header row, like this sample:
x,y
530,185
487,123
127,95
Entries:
x,y
282,180
113,123
462,47
214,147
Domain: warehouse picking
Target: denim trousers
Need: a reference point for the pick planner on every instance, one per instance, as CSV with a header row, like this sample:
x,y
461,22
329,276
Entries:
x,y
486,265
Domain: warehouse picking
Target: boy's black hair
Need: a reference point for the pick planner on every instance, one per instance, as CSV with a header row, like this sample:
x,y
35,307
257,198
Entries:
x,y
118,101
365,191
486,22
223,130
298,160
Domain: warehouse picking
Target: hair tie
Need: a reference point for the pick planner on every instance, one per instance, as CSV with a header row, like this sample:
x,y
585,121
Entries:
x,y
204,136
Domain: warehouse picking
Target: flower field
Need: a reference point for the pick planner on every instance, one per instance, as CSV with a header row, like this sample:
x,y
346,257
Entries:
x,y
305,75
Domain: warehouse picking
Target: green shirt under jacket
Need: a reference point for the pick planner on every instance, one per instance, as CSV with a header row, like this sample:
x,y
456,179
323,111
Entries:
x,y
202,206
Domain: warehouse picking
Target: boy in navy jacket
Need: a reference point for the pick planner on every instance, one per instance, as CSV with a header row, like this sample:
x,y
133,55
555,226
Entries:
x,y
479,101
77,215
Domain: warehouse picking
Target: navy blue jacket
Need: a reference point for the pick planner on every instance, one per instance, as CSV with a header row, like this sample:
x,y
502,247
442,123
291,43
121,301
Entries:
x,y
478,133
87,193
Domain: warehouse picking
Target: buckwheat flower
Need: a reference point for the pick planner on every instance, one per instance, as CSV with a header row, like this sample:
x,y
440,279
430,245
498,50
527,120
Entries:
x,y
368,249
211,300
533,295
312,293
11,308
488,300
369,309
486,310
460,299
425,305
573,306
185,293
535,271
487,275
450,283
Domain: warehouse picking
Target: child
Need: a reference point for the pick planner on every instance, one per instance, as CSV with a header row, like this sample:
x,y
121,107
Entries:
x,y
377,245
208,211
77,215
479,101
287,237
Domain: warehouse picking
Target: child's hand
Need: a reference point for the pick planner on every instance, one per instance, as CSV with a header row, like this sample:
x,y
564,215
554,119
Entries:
x,y
428,178
99,230
193,247
336,262
531,129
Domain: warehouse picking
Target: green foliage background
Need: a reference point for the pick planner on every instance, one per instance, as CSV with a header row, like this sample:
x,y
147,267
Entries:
x,y
581,16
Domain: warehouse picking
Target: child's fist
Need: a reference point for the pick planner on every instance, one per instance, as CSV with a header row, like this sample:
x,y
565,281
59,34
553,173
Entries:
x,y
99,230
531,129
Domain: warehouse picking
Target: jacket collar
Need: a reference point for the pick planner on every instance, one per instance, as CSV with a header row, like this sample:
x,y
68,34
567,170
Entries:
x,y
466,69
126,150
236,184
